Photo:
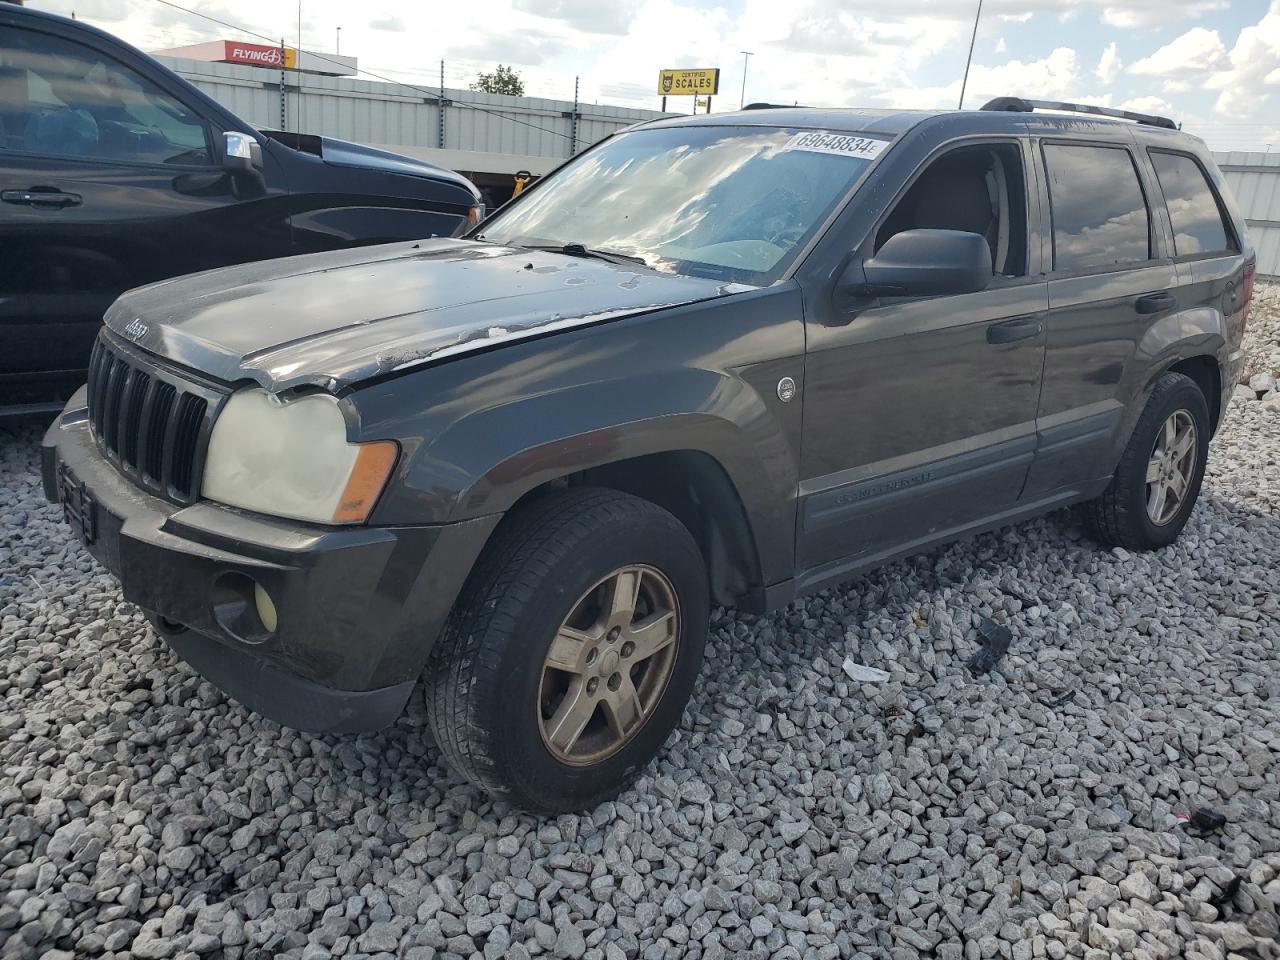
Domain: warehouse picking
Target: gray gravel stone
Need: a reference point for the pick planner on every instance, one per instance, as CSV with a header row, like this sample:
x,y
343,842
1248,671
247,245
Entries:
x,y
1033,812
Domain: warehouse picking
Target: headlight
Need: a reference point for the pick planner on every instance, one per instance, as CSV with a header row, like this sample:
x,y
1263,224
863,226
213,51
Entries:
x,y
292,459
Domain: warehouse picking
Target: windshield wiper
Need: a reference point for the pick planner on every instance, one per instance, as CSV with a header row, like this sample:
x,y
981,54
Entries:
x,y
578,250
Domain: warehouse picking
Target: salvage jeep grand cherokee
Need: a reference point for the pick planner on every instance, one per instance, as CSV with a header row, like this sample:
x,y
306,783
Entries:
x,y
727,359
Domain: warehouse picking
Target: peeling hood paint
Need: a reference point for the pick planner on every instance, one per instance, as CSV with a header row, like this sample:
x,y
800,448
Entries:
x,y
335,319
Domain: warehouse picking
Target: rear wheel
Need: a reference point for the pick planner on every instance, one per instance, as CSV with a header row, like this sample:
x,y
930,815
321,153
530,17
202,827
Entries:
x,y
572,651
1158,479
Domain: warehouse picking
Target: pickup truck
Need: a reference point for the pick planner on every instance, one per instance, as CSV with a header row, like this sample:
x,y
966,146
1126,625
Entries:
x,y
115,172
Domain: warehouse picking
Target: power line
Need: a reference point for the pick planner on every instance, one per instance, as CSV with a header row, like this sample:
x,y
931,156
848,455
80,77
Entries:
x,y
412,86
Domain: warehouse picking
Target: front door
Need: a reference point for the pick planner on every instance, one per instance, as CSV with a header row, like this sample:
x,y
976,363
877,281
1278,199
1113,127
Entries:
x,y
106,182
919,418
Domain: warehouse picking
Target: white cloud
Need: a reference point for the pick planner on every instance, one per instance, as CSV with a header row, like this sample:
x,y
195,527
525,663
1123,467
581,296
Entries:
x,y
1254,62
1150,13
1176,86
589,16
1056,77
1195,51
1109,65
1154,105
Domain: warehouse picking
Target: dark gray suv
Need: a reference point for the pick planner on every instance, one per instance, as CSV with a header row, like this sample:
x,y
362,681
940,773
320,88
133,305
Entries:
x,y
727,359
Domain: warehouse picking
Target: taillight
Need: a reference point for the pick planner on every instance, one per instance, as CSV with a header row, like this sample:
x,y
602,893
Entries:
x,y
475,215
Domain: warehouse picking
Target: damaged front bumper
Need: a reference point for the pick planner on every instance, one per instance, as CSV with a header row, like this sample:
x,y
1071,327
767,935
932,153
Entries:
x,y
350,612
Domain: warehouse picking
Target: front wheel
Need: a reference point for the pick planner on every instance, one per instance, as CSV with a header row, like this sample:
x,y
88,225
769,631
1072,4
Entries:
x,y
1158,479
572,650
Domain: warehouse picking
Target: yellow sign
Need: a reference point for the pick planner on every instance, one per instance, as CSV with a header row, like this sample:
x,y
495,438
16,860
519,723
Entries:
x,y
689,83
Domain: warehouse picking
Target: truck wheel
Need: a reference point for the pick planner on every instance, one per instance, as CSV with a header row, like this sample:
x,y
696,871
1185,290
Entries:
x,y
1158,479
572,651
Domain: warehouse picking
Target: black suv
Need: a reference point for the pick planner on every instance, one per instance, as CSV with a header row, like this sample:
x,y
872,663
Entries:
x,y
726,359
115,172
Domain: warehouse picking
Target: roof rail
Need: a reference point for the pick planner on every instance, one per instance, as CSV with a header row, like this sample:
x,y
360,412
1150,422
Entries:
x,y
1019,105
760,105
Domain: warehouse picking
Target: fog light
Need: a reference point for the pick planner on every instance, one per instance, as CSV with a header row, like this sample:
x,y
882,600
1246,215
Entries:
x,y
242,608
266,609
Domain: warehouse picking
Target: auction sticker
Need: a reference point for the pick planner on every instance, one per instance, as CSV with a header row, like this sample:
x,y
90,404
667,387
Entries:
x,y
841,144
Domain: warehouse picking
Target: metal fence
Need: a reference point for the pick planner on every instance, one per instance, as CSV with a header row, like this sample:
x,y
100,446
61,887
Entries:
x,y
1254,180
410,118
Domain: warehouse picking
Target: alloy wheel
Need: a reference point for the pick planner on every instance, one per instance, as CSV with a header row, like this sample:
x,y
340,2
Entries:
x,y
1171,467
608,665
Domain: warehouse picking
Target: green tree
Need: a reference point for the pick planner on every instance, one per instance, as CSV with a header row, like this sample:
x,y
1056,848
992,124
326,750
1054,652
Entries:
x,y
503,80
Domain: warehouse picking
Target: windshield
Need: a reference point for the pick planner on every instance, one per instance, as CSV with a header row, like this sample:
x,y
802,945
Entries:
x,y
728,203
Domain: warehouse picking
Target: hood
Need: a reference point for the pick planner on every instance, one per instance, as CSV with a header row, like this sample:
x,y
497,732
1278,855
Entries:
x,y
335,319
343,153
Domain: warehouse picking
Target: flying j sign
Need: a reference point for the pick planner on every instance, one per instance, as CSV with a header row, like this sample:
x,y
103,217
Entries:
x,y
258,55
689,83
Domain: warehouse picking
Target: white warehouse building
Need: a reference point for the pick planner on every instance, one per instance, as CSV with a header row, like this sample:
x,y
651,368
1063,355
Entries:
x,y
488,137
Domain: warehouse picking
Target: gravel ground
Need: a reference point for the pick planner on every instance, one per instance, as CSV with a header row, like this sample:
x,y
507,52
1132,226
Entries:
x,y
1032,812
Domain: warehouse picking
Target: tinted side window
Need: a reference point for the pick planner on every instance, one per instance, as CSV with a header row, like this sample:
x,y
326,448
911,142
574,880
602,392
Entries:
x,y
67,100
1198,225
979,189
1100,216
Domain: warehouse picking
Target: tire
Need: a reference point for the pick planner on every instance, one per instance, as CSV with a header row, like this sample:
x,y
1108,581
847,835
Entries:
x,y
1122,515
489,687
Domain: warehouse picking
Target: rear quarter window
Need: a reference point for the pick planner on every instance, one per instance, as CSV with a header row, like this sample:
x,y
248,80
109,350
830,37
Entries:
x,y
1100,215
1199,227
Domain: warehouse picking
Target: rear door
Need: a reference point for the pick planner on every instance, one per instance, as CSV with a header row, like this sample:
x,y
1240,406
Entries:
x,y
107,181
1110,278
1206,248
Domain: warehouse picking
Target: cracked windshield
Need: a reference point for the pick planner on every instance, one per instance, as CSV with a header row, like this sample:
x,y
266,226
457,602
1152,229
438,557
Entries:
x,y
727,203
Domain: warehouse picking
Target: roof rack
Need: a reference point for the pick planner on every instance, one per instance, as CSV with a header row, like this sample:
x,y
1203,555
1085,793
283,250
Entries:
x,y
761,105
1019,105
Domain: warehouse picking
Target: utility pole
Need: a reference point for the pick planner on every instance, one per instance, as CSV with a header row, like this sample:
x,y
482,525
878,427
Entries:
x,y
283,125
973,39
440,104
746,58
573,143
298,67
337,43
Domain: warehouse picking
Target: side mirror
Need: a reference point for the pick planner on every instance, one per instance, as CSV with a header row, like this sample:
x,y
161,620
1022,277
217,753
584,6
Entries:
x,y
922,263
242,158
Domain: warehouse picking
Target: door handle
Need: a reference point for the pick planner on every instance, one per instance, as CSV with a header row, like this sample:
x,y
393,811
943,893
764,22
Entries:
x,y
36,197
1011,331
1155,303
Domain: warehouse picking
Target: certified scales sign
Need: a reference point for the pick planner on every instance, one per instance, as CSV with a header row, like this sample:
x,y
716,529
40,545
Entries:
x,y
689,83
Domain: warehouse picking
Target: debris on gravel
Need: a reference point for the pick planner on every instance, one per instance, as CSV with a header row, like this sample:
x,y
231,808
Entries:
x,y
1038,810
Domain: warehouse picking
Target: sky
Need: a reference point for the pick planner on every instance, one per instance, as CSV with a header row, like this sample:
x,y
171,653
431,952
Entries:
x,y
1212,65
